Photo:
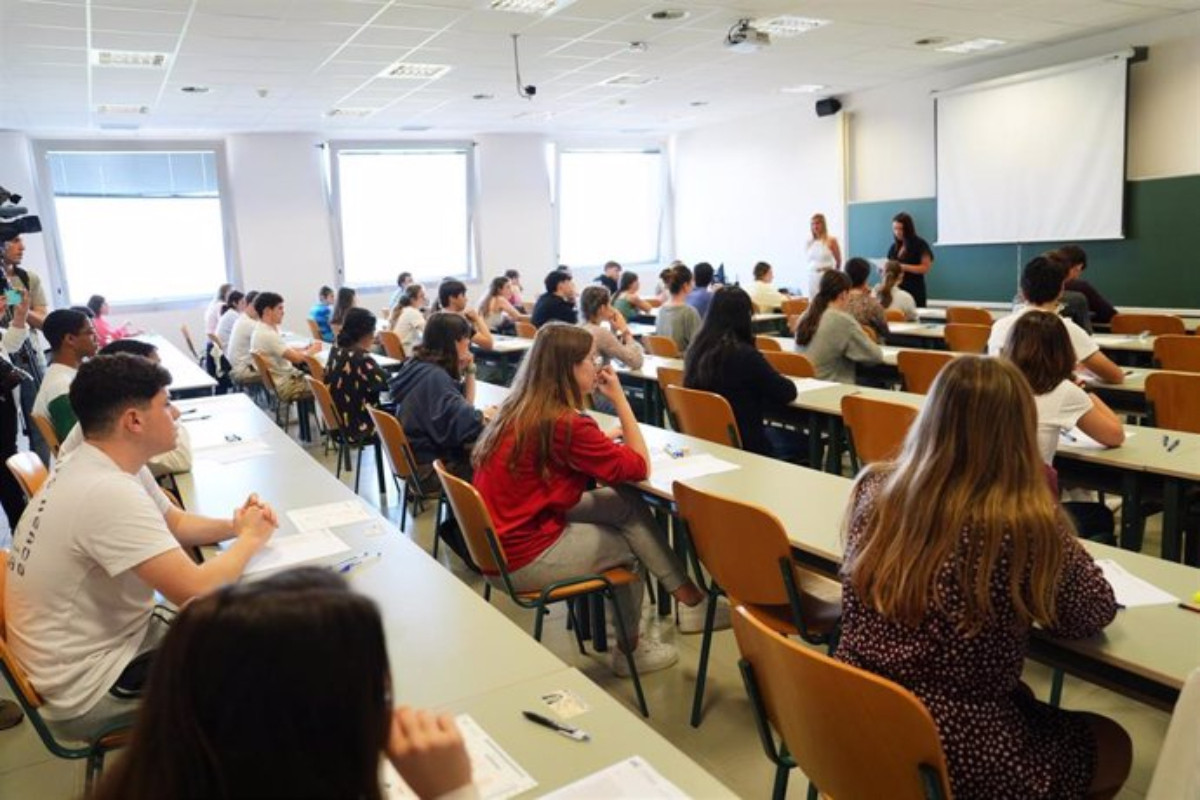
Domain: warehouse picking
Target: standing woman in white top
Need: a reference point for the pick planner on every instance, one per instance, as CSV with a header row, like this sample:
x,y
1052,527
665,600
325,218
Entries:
x,y
408,321
823,253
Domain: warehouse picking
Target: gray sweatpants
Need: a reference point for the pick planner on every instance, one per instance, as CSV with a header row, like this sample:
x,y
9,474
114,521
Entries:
x,y
609,527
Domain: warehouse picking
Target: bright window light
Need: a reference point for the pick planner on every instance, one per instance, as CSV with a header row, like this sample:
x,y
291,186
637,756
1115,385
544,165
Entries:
x,y
610,207
404,211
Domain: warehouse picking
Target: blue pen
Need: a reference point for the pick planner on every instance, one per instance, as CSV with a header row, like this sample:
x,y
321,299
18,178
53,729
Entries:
x,y
356,561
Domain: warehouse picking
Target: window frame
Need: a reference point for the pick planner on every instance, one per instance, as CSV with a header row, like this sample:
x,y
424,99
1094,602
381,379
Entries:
x,y
335,148
51,230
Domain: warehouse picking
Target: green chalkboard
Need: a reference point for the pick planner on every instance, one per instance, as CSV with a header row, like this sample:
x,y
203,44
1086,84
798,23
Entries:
x,y
1153,266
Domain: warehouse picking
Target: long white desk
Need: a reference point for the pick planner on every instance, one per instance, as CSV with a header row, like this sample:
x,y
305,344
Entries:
x,y
188,379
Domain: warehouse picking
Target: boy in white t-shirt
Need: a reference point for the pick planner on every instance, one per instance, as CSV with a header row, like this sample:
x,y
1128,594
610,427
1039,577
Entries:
x,y
1042,285
284,361
100,539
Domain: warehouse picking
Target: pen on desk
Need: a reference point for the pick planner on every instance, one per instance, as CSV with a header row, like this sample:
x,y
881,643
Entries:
x,y
1166,440
197,419
1195,609
1067,435
356,561
557,727
1173,445
673,451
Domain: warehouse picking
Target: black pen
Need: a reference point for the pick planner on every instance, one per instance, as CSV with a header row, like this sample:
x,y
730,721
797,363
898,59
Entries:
x,y
557,727
1174,444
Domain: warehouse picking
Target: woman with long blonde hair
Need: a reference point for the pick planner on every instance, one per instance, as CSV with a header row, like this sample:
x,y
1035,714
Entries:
x,y
953,552
822,253
533,465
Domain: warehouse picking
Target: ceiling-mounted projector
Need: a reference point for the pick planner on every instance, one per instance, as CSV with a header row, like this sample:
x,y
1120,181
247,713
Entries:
x,y
743,37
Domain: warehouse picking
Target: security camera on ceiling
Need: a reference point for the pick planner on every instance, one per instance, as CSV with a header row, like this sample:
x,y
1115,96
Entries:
x,y
743,37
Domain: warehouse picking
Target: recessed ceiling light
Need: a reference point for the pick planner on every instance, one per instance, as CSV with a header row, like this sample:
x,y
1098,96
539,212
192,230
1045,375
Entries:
x,y
194,89
972,46
929,40
122,108
667,15
482,96
135,59
351,111
804,88
628,80
786,25
698,103
418,72
638,47
530,6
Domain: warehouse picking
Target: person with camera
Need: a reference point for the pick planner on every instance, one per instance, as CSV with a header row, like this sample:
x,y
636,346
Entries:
x,y
28,356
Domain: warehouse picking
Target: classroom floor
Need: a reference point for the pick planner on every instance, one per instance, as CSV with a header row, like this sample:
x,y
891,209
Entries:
x,y
726,744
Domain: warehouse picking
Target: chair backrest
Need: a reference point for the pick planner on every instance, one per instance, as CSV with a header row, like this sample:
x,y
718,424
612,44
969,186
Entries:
x,y
62,416
15,672
741,545
852,733
1154,324
877,427
28,469
395,443
216,342
871,333
187,339
794,365
315,330
661,346
525,330
767,344
1175,398
315,367
795,305
474,520
392,346
969,315
893,315
1176,352
264,371
920,367
331,418
963,338
705,415
46,429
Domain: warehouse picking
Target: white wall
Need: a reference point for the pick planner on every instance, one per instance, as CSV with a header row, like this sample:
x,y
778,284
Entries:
x,y
745,190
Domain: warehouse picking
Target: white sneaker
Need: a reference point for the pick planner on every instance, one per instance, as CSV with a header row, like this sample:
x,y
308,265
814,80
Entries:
x,y
650,656
691,618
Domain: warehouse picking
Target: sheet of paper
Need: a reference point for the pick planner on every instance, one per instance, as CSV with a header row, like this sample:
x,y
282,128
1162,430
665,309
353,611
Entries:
x,y
1081,441
329,515
632,778
812,384
495,773
665,470
1130,590
292,550
227,452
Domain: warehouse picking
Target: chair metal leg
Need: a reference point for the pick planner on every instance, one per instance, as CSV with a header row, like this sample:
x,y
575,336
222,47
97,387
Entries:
x,y
95,765
779,790
710,614
574,627
341,445
623,641
379,470
402,490
1056,687
537,624
813,792
487,591
358,469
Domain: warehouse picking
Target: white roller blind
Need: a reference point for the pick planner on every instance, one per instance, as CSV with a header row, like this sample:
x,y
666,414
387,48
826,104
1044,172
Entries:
x,y
1036,157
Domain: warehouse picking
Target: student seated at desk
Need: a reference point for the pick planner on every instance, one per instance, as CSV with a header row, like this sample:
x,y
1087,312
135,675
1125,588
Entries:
x,y
861,304
408,319
235,304
283,361
80,604
1041,349
831,338
496,308
615,342
321,312
1042,287
237,350
558,301
281,688
609,276
452,297
890,295
953,553
347,298
355,380
533,465
72,339
1075,258
108,332
627,300
514,279
700,298
762,291
724,360
403,281
677,320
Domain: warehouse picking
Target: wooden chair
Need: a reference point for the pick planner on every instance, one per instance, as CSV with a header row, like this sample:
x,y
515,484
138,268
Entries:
x,y
967,338
523,318
876,427
1154,324
391,344
46,429
968,315
315,367
315,330
794,365
767,344
191,345
893,315
661,346
95,749
853,733
333,419
1178,353
669,376
403,463
484,545
215,341
794,306
525,330
746,551
918,368
705,415
30,472
283,408
1174,400
871,333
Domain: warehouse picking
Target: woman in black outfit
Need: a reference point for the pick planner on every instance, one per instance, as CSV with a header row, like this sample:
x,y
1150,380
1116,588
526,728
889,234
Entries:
x,y
913,253
722,359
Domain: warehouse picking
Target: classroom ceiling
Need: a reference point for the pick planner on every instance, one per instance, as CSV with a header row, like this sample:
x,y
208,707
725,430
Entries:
x,y
315,65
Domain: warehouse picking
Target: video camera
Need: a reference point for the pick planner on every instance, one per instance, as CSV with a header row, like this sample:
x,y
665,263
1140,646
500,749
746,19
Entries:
x,y
15,219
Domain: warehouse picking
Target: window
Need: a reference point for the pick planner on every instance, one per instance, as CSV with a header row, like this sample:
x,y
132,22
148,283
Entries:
x,y
610,206
139,227
404,210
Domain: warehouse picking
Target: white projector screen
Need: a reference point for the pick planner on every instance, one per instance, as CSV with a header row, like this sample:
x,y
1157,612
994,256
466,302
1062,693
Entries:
x,y
1033,158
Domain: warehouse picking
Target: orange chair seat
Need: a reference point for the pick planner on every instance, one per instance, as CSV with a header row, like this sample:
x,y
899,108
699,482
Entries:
x,y
617,577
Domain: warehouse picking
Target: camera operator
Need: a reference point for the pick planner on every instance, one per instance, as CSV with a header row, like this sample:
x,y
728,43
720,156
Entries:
x,y
13,337
29,356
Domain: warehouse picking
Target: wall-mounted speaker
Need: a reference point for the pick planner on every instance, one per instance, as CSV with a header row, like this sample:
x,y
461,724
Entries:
x,y
828,106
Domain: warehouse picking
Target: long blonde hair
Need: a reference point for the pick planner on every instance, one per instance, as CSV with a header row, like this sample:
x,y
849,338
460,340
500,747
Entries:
x,y
954,499
543,392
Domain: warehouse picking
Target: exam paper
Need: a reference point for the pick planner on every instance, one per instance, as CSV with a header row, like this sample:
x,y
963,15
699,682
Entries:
x,y
1081,441
329,515
665,470
812,384
495,774
632,778
292,550
1130,590
231,452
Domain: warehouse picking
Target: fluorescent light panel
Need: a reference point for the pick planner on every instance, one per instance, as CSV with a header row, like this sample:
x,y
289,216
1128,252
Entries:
x,y
350,111
418,72
530,6
122,108
787,25
135,59
972,46
804,88
628,80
